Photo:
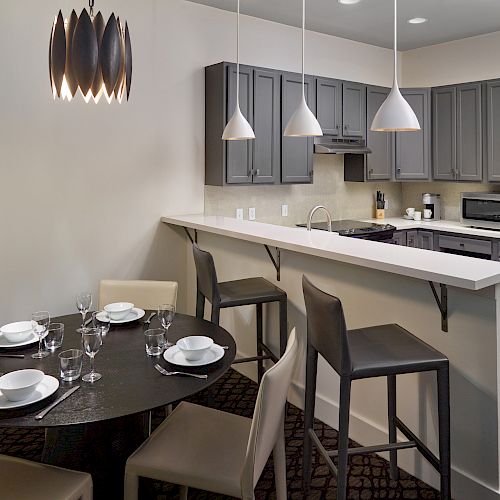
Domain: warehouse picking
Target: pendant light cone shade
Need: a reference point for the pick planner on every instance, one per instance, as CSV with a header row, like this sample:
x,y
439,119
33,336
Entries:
x,y
303,123
395,114
238,128
88,54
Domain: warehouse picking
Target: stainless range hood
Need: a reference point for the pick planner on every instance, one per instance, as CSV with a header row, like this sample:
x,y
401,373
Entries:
x,y
331,145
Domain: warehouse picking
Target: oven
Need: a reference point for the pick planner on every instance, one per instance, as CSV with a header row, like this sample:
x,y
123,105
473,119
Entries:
x,y
480,210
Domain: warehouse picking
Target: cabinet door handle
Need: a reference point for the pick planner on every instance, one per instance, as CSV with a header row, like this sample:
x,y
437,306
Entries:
x,y
257,172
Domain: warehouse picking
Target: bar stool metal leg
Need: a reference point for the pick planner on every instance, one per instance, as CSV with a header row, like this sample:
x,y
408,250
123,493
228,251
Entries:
x,y
391,400
200,305
283,325
215,314
309,404
260,340
343,439
443,379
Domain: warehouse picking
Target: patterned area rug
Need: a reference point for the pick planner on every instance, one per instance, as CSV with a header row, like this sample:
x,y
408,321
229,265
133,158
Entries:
x,y
368,474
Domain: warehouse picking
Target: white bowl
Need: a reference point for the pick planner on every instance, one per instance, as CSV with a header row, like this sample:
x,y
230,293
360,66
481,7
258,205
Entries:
x,y
194,347
20,384
18,331
119,310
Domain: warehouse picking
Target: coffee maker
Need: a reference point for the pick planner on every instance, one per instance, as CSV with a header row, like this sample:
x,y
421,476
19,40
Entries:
x,y
432,202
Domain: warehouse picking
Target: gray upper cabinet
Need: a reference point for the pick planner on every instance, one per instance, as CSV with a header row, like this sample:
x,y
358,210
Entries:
x,y
380,162
239,153
493,128
469,133
353,110
444,117
458,133
329,106
413,149
296,152
267,127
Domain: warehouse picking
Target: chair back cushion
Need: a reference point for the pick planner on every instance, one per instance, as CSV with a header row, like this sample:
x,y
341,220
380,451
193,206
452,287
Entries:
x,y
268,417
326,329
206,275
143,294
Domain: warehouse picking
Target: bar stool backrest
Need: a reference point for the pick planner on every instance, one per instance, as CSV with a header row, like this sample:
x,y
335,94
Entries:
x,y
326,329
206,274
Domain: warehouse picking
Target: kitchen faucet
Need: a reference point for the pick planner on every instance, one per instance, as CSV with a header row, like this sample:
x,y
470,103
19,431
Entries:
x,y
313,211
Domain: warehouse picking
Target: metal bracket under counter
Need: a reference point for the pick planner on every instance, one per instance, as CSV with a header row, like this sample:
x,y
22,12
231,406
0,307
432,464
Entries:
x,y
442,303
195,240
276,261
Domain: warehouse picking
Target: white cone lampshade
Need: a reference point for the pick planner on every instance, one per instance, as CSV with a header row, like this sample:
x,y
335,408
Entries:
x,y
238,128
395,114
303,123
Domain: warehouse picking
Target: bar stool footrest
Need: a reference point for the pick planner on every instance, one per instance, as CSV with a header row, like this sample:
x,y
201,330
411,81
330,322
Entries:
x,y
248,360
324,453
376,448
427,454
270,353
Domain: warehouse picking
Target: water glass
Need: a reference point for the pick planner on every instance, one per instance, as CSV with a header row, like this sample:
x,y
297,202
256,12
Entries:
x,y
54,338
166,315
155,341
83,304
92,342
40,322
71,364
100,319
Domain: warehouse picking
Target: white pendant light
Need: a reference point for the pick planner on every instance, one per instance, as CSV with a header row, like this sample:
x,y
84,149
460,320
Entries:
x,y
303,123
238,128
395,114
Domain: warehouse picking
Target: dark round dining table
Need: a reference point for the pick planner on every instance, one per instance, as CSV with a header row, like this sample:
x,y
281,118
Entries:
x,y
101,424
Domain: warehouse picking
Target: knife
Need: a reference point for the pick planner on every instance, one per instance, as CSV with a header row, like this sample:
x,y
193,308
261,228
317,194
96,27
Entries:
x,y
18,356
56,402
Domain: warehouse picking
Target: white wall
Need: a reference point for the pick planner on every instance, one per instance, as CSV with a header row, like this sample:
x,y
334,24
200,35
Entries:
x,y
470,59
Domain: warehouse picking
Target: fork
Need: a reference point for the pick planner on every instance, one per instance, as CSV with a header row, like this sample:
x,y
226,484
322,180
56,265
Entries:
x,y
165,372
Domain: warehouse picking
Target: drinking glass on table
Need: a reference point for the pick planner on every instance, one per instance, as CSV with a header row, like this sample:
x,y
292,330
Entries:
x,y
70,362
155,341
166,314
55,336
101,320
83,304
92,342
40,322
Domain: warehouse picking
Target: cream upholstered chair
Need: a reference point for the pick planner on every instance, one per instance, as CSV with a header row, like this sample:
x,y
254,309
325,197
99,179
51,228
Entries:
x,y
24,480
217,451
142,293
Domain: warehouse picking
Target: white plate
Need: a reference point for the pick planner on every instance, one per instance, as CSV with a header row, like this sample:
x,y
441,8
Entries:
x,y
44,389
4,343
174,355
133,315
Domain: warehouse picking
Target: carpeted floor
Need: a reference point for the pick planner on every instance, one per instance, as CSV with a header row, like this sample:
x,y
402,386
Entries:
x,y
368,477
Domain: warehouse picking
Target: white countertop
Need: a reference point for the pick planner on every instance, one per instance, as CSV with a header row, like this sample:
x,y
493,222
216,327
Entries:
x,y
454,270
438,225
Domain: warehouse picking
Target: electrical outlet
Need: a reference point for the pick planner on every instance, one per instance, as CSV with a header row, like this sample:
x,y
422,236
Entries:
x,y
284,210
251,213
239,213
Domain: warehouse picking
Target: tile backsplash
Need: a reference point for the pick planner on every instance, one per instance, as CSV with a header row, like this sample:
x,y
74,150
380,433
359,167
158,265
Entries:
x,y
346,200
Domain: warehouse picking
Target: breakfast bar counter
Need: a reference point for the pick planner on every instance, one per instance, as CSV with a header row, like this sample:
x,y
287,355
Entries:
x,y
378,284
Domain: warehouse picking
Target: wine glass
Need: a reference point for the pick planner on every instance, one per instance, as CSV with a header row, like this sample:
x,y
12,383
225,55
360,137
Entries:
x,y
40,321
101,320
92,342
166,314
83,304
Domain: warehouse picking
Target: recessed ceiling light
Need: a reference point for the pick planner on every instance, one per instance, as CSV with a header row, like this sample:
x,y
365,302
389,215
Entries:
x,y
417,20
349,2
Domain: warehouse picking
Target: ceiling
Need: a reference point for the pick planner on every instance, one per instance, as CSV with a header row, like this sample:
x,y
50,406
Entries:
x,y
370,21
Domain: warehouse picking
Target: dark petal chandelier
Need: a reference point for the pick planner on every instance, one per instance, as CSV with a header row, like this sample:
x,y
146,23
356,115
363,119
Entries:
x,y
87,54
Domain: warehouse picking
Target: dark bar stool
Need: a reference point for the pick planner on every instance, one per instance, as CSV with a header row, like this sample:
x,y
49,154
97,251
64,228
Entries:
x,y
377,351
236,293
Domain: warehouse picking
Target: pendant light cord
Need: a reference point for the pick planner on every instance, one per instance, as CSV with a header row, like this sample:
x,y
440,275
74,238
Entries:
x,y
303,46
91,8
238,58
395,43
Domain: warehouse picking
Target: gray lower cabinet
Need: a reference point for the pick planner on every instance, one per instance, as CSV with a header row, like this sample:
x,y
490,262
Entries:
x,y
380,162
413,149
329,106
296,152
425,240
399,238
493,128
457,133
267,127
412,238
353,110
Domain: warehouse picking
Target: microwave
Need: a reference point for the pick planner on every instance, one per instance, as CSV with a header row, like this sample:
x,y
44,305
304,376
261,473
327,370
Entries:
x,y
480,210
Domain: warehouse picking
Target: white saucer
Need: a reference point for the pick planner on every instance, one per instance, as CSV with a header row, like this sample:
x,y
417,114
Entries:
x,y
4,343
133,315
407,217
45,388
174,355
